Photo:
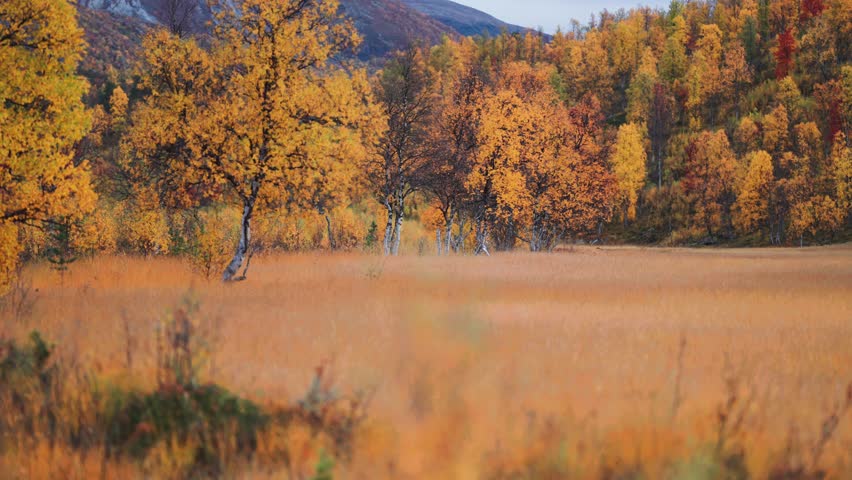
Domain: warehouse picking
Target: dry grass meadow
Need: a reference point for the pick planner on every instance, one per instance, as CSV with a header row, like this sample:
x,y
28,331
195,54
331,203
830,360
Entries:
x,y
589,363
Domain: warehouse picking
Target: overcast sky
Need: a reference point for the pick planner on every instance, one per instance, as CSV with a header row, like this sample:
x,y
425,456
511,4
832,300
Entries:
x,y
548,14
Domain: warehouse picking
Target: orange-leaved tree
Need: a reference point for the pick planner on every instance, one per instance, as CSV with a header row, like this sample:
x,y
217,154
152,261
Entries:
x,y
505,121
841,163
42,117
709,181
461,83
704,77
540,173
573,188
257,119
521,135
751,209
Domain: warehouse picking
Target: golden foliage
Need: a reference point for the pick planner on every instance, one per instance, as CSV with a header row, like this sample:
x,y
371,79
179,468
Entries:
x,y
586,67
751,209
789,95
145,227
525,139
42,117
10,249
98,232
118,103
432,218
147,231
348,227
262,113
674,61
628,164
214,231
704,76
736,73
776,127
747,135
538,166
641,90
816,214
841,161
711,175
808,140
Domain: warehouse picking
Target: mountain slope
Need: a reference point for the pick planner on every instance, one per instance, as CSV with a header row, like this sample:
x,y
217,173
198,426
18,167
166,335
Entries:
x,y
388,25
385,25
461,18
113,43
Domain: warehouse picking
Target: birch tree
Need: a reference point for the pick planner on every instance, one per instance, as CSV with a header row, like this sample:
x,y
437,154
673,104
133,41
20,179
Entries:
x,y
628,164
405,92
42,117
751,210
709,180
252,119
454,135
540,172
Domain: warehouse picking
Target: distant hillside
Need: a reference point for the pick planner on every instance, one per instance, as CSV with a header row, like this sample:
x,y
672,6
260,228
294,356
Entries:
x,y
113,41
386,25
389,25
462,19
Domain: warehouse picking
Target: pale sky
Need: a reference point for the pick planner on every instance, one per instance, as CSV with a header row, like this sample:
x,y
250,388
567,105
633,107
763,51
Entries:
x,y
548,14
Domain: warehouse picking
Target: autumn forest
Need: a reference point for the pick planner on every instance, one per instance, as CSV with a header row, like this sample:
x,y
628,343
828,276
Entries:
x,y
502,174
709,122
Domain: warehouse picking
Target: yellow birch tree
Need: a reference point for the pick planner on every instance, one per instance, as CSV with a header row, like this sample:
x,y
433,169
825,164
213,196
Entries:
x,y
628,165
751,210
42,117
260,119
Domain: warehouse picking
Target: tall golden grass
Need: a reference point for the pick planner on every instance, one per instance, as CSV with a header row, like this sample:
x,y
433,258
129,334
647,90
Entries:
x,y
589,363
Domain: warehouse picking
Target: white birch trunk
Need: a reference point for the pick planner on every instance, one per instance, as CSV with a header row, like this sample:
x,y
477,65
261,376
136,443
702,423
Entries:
x,y
535,234
389,233
332,243
449,236
242,247
397,234
482,239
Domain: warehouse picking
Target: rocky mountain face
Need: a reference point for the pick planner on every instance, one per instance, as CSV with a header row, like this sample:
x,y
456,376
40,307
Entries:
x,y
127,8
386,25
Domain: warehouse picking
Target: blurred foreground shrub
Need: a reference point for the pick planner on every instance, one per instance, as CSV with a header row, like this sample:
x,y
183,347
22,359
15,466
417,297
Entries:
x,y
182,428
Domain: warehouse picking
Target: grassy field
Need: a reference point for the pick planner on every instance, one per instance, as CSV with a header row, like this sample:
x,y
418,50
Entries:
x,y
589,363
